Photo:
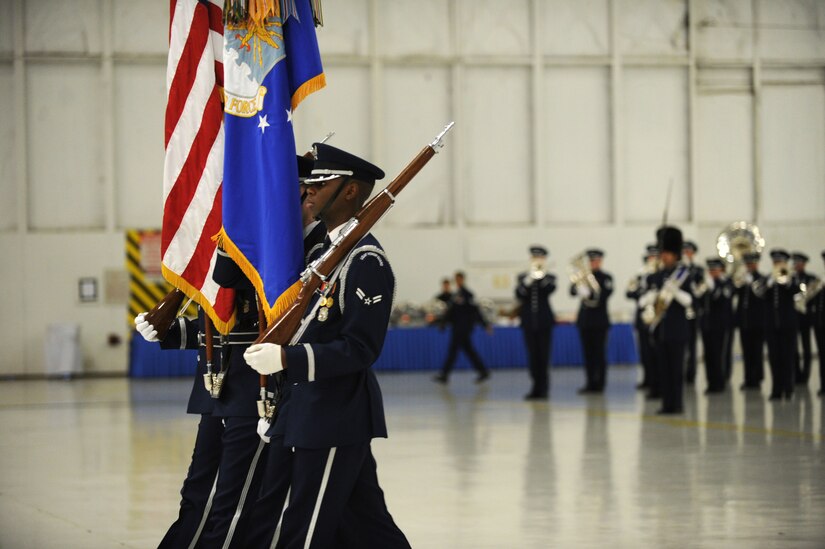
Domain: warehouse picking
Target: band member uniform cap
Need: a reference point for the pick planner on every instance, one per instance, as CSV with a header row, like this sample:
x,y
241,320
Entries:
x,y
690,245
652,249
778,254
670,239
594,253
538,251
799,257
331,162
751,257
715,263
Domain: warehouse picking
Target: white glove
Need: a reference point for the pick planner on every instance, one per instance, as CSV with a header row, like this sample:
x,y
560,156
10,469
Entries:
x,y
264,358
583,290
145,329
748,278
263,427
527,280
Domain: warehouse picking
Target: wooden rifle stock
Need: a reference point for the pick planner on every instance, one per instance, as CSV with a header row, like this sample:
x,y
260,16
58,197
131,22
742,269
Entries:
x,y
164,313
286,325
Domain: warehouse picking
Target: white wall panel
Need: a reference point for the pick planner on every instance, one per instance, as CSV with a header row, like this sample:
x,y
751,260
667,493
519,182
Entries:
x,y
343,106
490,28
12,298
495,130
417,108
723,29
346,28
140,27
724,167
572,27
140,102
64,125
576,161
8,171
792,29
652,27
655,143
414,27
6,29
793,163
64,26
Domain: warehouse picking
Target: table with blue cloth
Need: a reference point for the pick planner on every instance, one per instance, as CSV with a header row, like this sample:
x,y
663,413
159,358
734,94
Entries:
x,y
418,348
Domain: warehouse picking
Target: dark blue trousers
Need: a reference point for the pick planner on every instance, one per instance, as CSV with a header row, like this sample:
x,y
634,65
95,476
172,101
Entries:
x,y
198,485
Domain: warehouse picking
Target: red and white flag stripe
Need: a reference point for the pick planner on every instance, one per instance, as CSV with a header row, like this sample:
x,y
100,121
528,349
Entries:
x,y
193,169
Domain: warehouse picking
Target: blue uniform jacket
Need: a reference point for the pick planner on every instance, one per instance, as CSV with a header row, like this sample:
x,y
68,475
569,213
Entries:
x,y
674,323
593,311
717,306
535,310
333,397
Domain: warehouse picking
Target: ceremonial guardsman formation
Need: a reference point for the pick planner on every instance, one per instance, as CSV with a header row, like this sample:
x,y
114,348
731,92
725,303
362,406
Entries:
x,y
533,290
594,287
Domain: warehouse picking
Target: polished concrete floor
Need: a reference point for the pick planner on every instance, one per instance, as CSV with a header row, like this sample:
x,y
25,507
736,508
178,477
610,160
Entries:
x,y
98,464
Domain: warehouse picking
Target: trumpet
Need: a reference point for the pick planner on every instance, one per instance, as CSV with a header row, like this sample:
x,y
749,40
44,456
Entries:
x,y
781,274
537,271
580,273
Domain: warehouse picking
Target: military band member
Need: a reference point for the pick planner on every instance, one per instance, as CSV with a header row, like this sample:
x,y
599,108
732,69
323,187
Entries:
x,y
802,361
817,304
334,408
716,322
750,319
666,305
779,292
636,288
697,276
593,321
533,292
462,315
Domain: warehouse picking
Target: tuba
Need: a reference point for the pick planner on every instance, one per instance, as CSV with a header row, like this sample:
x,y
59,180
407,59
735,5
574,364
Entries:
x,y
735,241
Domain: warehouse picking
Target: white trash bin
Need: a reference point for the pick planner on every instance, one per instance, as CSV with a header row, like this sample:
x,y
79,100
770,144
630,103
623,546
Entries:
x,y
62,348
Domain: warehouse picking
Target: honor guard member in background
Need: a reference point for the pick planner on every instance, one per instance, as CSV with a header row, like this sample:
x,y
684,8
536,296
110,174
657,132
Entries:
x,y
636,288
533,292
593,322
802,362
817,305
716,295
445,296
779,292
334,408
666,305
463,314
750,319
203,468
697,276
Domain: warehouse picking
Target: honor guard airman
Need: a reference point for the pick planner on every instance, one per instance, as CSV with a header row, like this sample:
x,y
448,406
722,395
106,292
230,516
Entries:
x,y
750,318
716,321
463,314
334,407
636,288
533,290
594,289
780,291
666,305
802,279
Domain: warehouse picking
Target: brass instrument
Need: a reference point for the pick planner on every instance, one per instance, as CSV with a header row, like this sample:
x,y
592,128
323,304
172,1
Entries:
x,y
781,274
537,271
580,273
811,289
736,240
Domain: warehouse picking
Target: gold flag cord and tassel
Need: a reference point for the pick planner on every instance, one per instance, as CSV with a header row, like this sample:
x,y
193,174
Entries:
x,y
239,12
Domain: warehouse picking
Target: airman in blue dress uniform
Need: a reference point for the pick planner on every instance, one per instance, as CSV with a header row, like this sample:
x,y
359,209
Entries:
x,y
716,323
533,291
593,322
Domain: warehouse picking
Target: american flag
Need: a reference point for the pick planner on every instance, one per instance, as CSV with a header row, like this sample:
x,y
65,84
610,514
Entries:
x,y
193,169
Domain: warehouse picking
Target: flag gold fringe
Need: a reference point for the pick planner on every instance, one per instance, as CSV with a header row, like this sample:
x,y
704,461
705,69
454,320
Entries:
x,y
195,295
284,301
308,88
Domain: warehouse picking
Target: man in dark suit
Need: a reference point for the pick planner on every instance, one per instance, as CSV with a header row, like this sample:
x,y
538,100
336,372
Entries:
x,y
533,290
697,276
750,319
802,362
593,322
334,407
716,322
817,307
636,288
779,291
666,305
462,315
